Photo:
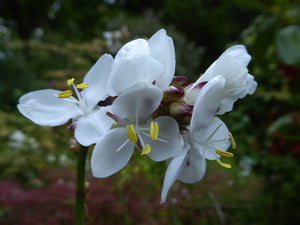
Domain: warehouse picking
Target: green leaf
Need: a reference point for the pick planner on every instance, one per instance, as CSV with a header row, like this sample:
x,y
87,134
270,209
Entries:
x,y
288,45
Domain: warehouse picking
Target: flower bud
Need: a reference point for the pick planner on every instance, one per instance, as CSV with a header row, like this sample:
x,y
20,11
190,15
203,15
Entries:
x,y
181,112
173,93
72,126
179,80
191,95
162,110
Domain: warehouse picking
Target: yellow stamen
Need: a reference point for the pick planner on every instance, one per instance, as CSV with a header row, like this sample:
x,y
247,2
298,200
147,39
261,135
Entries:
x,y
225,165
146,150
225,154
154,131
131,134
70,81
82,85
232,141
65,94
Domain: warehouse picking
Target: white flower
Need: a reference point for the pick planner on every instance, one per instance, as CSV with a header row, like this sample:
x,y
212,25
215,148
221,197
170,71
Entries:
x,y
206,138
160,139
151,61
232,65
52,107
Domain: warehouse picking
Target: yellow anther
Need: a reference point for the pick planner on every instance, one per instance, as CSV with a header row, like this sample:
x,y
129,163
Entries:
x,y
232,141
146,150
131,134
225,154
65,94
225,165
154,131
70,81
82,85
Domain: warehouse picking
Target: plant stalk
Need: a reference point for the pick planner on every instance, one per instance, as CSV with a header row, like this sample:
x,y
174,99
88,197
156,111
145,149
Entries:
x,y
80,187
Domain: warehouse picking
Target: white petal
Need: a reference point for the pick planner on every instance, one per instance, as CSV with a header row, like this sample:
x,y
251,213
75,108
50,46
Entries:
x,y
133,49
239,52
169,142
233,71
173,171
192,93
251,85
194,169
209,138
107,157
44,107
232,64
138,102
129,72
162,49
207,103
238,83
226,105
89,129
96,79
207,76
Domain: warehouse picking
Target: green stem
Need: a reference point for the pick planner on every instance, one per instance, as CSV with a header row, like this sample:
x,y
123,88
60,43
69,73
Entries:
x,y
174,213
80,186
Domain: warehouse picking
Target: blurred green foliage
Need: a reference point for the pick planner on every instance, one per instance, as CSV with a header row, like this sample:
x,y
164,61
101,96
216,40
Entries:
x,y
42,43
287,45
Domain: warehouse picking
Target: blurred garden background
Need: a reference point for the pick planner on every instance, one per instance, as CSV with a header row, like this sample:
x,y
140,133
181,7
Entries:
x,y
43,43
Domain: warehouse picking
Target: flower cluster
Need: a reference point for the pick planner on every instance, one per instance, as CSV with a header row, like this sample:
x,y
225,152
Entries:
x,y
134,102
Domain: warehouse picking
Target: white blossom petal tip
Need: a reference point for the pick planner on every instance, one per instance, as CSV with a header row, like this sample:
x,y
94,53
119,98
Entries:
x,y
207,103
111,153
162,49
89,129
96,79
45,108
238,52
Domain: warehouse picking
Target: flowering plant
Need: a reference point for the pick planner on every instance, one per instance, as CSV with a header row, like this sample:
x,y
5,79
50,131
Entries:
x,y
144,107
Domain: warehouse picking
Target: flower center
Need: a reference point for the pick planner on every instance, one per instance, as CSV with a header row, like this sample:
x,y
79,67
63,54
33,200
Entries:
x,y
135,137
68,93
